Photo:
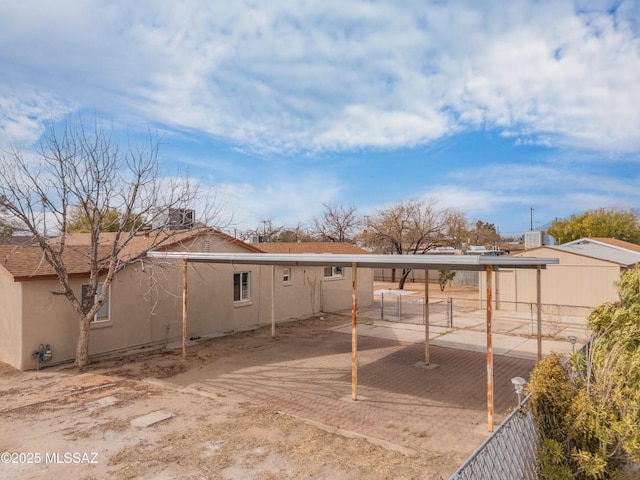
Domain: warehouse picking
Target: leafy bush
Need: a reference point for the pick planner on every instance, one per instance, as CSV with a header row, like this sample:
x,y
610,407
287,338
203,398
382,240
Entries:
x,y
588,412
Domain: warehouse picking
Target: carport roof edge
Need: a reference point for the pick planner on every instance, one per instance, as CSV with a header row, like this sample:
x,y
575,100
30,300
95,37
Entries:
x,y
430,262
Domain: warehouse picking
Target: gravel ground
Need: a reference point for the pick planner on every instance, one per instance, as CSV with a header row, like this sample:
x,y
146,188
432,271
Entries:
x,y
59,423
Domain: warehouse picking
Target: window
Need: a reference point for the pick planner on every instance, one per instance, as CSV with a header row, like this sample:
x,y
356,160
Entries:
x,y
286,275
241,286
103,313
333,272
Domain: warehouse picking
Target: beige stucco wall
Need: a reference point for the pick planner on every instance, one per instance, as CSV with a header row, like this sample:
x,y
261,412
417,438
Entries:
x,y
145,305
210,295
573,287
337,292
47,318
10,325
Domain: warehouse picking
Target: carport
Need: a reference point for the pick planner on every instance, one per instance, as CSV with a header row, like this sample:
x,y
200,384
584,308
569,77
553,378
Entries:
x,y
489,264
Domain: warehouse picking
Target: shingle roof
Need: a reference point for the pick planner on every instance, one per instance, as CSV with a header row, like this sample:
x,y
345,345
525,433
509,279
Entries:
x,y
23,262
311,247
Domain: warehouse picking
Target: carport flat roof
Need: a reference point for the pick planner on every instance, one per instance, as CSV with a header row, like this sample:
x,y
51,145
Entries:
x,y
435,262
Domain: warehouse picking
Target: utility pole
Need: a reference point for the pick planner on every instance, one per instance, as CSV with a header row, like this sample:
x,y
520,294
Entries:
x,y
531,226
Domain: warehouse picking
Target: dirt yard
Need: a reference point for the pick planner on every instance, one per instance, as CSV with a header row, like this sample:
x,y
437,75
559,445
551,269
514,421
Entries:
x,y
61,423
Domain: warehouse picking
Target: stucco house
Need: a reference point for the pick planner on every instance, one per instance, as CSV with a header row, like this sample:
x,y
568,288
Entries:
x,y
583,279
144,306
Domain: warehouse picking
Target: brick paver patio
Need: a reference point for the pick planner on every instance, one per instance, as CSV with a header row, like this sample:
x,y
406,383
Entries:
x,y
400,403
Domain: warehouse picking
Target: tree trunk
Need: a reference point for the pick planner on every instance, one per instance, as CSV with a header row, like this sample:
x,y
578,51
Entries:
x,y
403,278
82,349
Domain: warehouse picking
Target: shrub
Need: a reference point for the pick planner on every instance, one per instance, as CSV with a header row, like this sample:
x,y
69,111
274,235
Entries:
x,y
588,410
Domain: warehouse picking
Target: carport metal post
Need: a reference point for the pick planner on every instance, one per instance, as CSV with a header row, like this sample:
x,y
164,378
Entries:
x,y
539,314
273,301
184,308
354,332
426,317
489,353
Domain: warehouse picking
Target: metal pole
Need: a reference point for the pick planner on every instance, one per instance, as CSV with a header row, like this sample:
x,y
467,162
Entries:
x,y
184,308
450,312
382,306
354,332
273,301
426,317
489,353
539,315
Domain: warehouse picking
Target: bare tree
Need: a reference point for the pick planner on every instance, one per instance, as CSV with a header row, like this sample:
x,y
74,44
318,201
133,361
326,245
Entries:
x,y
337,224
411,228
266,231
85,170
293,234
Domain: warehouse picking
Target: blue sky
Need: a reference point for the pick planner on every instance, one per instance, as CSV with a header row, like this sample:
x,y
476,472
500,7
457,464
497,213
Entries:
x,y
491,107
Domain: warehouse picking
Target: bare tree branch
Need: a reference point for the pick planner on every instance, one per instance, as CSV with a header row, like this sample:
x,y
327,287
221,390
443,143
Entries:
x,y
337,224
412,227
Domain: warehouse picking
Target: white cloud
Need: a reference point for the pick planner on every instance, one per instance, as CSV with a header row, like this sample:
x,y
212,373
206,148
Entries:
x,y
295,199
292,75
497,192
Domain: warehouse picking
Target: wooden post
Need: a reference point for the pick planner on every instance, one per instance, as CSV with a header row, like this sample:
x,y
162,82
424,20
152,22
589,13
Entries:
x,y
539,313
184,308
426,317
273,301
489,352
354,332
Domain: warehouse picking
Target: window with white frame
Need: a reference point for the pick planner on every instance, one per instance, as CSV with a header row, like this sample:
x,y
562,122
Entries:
x,y
333,272
242,286
286,275
103,314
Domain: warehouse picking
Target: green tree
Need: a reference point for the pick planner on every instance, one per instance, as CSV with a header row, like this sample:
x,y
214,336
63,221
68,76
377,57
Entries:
x,y
484,233
6,229
590,412
600,223
444,277
112,221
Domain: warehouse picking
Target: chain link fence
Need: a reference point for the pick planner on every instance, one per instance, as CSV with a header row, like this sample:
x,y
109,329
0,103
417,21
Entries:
x,y
446,311
407,307
510,453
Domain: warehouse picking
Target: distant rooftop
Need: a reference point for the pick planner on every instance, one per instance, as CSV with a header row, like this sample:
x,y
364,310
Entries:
x,y
610,249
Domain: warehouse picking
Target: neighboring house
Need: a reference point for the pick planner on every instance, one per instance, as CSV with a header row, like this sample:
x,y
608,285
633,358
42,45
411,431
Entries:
x,y
144,306
583,279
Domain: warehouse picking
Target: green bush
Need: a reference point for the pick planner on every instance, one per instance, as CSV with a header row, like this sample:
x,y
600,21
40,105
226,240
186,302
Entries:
x,y
588,412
